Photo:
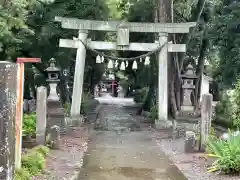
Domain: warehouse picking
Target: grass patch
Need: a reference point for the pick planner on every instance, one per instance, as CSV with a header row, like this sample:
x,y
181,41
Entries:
x,y
33,163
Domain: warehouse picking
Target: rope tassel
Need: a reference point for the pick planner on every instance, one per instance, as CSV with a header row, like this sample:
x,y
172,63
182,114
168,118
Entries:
x,y
116,64
102,59
147,60
110,64
98,59
122,67
134,66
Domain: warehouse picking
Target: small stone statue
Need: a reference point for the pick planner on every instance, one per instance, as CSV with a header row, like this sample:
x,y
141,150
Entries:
x,y
54,137
190,142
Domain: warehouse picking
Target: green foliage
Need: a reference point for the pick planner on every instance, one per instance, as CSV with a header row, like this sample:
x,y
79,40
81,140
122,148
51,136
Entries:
x,y
87,101
236,107
227,154
140,95
225,37
153,113
22,174
67,107
33,163
29,124
13,28
224,107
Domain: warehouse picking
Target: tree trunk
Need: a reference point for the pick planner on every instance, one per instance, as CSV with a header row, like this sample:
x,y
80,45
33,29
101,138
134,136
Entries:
x,y
195,16
200,65
165,14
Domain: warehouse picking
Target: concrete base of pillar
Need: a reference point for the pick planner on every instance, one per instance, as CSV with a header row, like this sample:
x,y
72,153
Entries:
x,y
74,121
166,124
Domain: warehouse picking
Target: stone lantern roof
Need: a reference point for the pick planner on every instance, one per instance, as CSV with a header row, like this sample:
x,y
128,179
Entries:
x,y
52,66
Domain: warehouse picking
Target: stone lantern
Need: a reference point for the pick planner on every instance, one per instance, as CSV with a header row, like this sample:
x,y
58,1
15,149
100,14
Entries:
x,y
55,111
53,79
188,88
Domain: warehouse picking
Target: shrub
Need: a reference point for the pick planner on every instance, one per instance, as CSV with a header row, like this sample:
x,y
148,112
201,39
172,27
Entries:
x,y
33,163
236,107
29,124
140,95
153,113
22,174
67,107
223,107
227,154
87,100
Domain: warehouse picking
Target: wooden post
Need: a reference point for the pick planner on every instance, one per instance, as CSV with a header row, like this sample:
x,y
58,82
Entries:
x,y
8,82
19,107
41,115
206,118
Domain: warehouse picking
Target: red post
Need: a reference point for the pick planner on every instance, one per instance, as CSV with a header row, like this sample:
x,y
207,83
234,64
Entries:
x,y
19,107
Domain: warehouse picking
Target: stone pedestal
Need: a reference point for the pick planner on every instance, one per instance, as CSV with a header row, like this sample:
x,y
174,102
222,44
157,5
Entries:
x,y
55,115
8,87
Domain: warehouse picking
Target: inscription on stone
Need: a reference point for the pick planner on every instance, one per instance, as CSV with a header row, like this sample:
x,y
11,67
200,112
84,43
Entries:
x,y
206,118
8,82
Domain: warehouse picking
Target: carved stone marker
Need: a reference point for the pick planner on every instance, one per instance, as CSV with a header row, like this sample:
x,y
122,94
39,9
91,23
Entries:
x,y
190,142
206,118
8,82
55,111
41,115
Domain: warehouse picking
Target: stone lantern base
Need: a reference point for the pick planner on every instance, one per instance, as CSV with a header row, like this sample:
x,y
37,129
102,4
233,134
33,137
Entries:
x,y
55,115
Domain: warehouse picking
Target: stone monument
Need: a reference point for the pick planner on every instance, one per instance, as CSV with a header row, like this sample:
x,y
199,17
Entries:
x,y
8,87
206,119
55,111
41,115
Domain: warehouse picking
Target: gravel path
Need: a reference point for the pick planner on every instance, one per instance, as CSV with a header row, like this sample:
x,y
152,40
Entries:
x,y
121,150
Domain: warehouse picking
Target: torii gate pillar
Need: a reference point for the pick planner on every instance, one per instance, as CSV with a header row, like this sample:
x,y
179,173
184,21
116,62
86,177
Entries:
x,y
162,80
79,76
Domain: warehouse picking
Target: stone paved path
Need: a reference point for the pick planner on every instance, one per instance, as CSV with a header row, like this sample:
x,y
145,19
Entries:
x,y
120,150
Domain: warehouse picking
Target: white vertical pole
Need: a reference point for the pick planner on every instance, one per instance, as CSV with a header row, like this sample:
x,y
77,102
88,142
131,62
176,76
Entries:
x,y
162,80
78,75
19,115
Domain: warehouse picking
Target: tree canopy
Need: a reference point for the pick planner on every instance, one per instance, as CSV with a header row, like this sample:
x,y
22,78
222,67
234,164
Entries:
x,y
27,28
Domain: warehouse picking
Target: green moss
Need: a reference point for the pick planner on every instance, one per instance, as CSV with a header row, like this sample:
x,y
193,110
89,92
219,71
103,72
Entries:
x,y
33,163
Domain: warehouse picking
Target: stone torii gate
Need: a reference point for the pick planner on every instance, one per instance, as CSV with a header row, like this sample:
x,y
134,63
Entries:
x,y
123,29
